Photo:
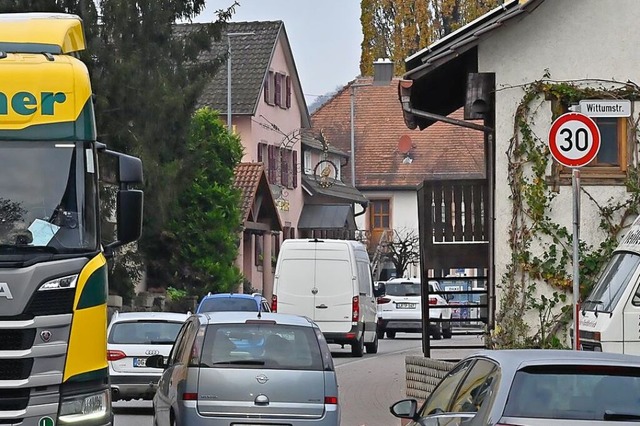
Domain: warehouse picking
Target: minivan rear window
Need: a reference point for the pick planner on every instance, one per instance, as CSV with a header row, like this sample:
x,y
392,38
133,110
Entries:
x,y
144,332
261,345
227,304
575,392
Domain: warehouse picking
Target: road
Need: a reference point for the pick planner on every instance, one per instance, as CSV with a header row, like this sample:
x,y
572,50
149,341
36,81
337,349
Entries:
x,y
368,385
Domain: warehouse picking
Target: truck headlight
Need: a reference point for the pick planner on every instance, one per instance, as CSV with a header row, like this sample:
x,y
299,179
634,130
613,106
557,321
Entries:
x,y
85,407
60,283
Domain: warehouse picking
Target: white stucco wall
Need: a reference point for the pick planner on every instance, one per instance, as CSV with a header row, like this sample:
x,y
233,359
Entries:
x,y
573,39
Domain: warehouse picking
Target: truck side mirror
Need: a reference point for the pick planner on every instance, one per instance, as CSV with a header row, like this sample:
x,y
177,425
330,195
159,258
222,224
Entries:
x,y
129,215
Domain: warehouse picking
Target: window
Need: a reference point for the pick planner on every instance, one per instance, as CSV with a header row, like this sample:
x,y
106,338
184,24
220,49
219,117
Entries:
x,y
476,388
262,147
380,214
441,395
308,169
277,89
258,253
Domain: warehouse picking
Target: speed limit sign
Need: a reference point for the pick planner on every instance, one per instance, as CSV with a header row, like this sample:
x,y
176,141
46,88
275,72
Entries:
x,y
574,139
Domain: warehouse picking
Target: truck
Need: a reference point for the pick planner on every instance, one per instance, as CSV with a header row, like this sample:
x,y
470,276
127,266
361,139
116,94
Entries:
x,y
53,264
609,318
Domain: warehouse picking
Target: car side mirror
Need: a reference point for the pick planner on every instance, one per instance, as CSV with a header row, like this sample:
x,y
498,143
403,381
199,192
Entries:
x,y
156,361
405,409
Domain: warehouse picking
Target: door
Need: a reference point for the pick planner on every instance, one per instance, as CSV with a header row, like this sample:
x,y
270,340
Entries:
x,y
368,306
336,286
295,285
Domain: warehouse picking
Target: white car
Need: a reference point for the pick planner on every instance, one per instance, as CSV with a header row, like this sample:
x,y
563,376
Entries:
x,y
400,309
132,337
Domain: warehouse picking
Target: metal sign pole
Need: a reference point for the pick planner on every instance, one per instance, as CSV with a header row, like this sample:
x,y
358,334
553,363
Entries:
x,y
575,181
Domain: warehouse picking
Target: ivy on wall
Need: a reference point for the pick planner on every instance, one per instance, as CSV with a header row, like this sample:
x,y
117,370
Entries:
x,y
532,227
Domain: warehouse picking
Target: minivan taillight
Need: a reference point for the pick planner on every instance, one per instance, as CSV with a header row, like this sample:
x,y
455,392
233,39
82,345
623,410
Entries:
x,y
274,303
383,300
115,355
433,301
330,399
355,309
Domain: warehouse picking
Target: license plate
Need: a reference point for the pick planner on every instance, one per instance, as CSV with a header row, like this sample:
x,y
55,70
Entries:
x,y
405,305
139,362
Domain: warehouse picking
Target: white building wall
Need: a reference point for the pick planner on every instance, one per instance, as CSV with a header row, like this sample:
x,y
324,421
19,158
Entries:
x,y
573,39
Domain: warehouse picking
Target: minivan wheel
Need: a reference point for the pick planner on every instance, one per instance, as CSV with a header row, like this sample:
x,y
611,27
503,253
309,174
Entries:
x,y
372,348
357,347
391,334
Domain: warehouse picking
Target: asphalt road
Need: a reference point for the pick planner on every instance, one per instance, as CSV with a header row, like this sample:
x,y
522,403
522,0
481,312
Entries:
x,y
368,385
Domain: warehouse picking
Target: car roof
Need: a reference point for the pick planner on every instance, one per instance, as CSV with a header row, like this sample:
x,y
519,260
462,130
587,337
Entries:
x,y
137,316
240,317
511,360
230,295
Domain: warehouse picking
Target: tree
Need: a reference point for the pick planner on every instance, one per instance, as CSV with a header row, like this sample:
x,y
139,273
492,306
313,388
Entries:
x,y
205,237
402,250
396,29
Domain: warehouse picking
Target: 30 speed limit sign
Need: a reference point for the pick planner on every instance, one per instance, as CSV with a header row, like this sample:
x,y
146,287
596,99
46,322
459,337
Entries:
x,y
574,139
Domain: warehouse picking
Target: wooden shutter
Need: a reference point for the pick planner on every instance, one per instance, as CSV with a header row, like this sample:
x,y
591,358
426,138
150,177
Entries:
x,y
266,89
295,169
284,168
271,152
260,152
278,89
288,88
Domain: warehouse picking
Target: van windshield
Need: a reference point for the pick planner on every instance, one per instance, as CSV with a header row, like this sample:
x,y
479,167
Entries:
x,y
612,282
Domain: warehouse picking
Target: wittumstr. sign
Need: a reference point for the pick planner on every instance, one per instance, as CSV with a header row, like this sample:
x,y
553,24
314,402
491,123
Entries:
x,y
605,107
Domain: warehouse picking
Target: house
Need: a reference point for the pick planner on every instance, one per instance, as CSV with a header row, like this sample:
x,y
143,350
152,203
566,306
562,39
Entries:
x,y
269,113
392,161
517,68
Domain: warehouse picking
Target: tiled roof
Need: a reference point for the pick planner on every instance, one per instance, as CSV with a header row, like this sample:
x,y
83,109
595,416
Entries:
x,y
247,178
442,150
250,59
337,190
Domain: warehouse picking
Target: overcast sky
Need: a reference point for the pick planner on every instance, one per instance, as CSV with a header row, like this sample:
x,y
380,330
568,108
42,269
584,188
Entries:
x,y
325,36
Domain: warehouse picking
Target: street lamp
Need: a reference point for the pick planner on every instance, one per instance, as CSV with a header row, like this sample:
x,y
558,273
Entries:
x,y
382,75
229,35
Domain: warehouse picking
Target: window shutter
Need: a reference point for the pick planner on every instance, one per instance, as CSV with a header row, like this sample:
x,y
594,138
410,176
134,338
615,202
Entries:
x,y
260,149
278,89
295,169
266,89
284,168
288,80
271,152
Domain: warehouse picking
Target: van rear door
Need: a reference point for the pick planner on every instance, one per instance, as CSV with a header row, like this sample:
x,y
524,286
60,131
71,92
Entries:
x,y
295,287
335,287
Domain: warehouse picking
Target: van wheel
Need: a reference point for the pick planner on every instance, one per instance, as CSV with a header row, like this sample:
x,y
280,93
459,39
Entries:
x,y
357,347
437,331
391,334
447,332
372,348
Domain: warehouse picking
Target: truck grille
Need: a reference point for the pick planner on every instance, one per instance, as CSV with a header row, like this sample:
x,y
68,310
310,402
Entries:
x,y
15,369
13,400
52,302
17,340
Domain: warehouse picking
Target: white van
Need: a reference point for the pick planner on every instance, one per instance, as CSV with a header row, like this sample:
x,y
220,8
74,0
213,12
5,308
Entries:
x,y
330,282
609,319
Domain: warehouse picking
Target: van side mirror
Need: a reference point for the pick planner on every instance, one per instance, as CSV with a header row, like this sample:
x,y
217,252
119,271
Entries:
x,y
379,290
156,361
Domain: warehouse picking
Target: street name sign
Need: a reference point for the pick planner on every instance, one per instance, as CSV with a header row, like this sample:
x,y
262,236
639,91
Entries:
x,y
574,139
605,107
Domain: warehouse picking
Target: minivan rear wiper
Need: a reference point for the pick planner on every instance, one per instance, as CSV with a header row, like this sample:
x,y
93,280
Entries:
x,y
595,302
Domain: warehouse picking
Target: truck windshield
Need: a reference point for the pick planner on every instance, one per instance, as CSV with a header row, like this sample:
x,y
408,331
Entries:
x,y
47,197
612,282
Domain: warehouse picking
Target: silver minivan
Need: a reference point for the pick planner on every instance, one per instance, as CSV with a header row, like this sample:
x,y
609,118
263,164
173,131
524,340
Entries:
x,y
247,368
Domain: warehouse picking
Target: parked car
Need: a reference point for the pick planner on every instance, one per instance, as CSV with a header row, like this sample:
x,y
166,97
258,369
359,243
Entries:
x,y
400,309
213,378
233,302
132,337
533,387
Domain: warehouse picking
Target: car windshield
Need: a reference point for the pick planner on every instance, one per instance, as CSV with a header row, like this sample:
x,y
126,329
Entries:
x,y
575,392
612,282
144,332
261,345
226,304
402,289
47,197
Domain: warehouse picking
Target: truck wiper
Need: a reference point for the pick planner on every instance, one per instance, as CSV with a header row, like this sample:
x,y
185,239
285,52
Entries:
x,y
596,302
26,248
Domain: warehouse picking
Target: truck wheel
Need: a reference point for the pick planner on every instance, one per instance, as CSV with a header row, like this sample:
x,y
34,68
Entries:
x,y
372,348
391,334
357,347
